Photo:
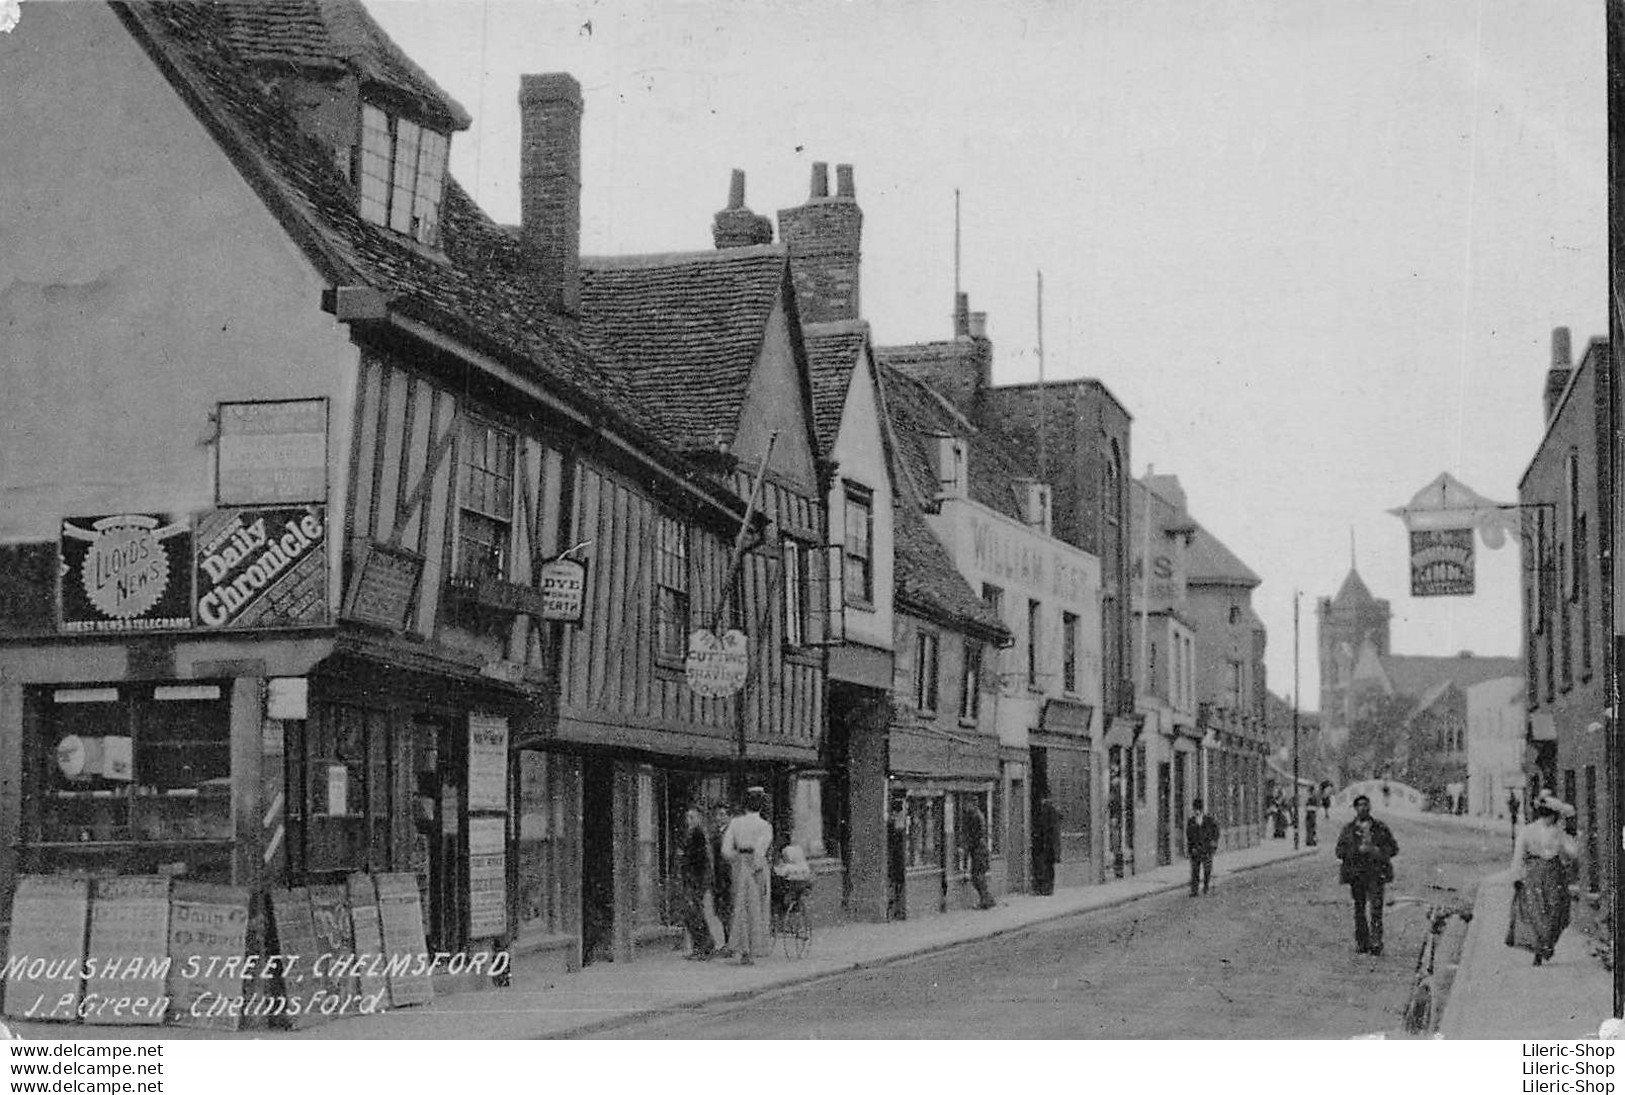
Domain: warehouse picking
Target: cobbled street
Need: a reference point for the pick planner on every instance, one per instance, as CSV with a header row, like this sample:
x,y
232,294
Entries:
x,y
1268,954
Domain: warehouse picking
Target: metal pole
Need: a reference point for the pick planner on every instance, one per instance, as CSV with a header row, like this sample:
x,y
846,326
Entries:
x,y
1612,612
1296,813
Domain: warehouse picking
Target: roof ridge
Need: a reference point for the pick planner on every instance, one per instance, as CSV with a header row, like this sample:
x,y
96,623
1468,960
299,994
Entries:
x,y
650,260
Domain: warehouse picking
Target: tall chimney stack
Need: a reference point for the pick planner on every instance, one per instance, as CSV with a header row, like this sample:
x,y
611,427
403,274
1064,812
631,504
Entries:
x,y
737,226
550,108
961,315
824,237
1557,376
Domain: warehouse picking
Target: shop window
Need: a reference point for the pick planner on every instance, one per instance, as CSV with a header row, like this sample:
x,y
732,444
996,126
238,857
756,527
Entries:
x,y
131,763
649,885
671,577
962,803
807,816
548,799
402,170
354,816
485,504
859,548
925,830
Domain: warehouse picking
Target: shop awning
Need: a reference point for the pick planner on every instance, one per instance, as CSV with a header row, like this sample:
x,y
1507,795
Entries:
x,y
931,753
1062,716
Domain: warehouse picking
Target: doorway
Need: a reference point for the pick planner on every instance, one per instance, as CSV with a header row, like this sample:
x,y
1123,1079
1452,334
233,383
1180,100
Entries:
x,y
1165,788
439,766
597,861
1180,801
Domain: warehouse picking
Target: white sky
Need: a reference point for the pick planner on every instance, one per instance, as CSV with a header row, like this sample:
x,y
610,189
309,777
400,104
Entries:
x,y
1317,248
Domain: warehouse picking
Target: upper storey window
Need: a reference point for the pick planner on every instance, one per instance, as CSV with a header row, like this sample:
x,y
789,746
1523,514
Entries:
x,y
403,167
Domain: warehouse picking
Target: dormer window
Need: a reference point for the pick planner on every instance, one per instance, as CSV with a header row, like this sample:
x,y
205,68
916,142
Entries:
x,y
402,169
951,481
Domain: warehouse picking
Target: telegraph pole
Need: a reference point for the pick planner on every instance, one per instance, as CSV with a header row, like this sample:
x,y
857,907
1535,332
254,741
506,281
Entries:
x,y
1296,814
1613,601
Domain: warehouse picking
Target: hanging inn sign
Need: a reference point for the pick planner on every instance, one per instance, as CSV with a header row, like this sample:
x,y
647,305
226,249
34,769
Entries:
x,y
1442,520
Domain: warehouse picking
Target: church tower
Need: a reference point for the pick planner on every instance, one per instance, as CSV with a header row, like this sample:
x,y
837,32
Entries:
x,y
1347,622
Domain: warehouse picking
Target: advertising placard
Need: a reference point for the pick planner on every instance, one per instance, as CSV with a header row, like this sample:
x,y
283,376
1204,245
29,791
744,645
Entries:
x,y
271,453
487,877
385,587
129,942
261,567
487,762
400,912
564,587
1442,562
48,914
125,572
208,924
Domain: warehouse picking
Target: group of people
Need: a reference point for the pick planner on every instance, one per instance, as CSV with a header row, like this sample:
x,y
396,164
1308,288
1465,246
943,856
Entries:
x,y
726,879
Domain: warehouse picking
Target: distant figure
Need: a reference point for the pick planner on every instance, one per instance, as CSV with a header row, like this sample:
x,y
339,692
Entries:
x,y
1046,845
1279,813
897,860
696,876
975,836
722,891
1309,821
1540,891
1385,794
1366,849
1201,841
745,846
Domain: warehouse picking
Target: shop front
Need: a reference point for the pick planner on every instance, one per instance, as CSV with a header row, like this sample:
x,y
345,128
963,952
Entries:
x,y
940,777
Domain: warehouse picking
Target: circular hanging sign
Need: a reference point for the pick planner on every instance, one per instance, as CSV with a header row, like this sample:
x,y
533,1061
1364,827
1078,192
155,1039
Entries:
x,y
717,664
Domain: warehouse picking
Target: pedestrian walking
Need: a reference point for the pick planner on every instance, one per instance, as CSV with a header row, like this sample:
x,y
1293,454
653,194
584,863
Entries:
x,y
696,875
1366,849
1540,891
1309,821
1201,841
745,847
975,837
722,893
1046,845
897,859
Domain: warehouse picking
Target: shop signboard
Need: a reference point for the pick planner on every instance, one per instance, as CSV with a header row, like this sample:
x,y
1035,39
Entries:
x,y
330,914
400,912
295,930
273,452
129,942
385,587
487,877
717,664
261,567
487,763
368,933
564,588
1442,562
125,572
47,937
208,927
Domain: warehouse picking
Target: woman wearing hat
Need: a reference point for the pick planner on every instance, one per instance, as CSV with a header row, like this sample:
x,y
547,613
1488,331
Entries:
x,y
1540,880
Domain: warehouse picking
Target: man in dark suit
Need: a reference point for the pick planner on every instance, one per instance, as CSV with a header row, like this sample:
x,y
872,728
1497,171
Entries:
x,y
1366,849
1201,841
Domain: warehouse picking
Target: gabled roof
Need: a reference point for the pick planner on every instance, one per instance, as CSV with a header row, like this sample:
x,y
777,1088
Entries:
x,y
833,350
329,35
1417,675
1211,563
476,292
688,329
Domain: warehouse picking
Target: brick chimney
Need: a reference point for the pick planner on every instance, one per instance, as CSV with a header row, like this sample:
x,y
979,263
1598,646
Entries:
x,y
737,226
550,109
1557,377
824,236
961,315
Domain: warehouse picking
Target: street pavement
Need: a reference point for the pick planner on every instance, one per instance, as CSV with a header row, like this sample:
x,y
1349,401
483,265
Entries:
x,y
1496,992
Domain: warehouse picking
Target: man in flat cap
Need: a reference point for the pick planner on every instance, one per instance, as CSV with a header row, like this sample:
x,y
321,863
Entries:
x,y
1366,849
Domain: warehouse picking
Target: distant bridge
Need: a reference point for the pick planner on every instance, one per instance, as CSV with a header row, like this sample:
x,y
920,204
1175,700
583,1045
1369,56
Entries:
x,y
1401,797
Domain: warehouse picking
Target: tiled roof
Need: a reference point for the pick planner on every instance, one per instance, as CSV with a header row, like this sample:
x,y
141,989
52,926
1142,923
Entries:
x,y
925,577
476,291
1416,675
1211,563
920,415
688,329
951,368
334,34
832,354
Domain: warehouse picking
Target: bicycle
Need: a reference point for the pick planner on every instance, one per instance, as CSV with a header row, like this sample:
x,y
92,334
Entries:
x,y
1422,1009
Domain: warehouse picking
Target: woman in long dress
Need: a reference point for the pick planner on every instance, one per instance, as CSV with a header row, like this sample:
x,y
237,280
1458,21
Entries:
x,y
1540,880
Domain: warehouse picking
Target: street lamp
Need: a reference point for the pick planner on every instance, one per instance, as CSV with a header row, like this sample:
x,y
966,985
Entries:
x,y
1296,812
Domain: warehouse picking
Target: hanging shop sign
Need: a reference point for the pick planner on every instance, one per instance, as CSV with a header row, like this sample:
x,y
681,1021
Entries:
x,y
487,762
487,877
125,572
261,567
717,664
385,587
564,587
1442,562
270,453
